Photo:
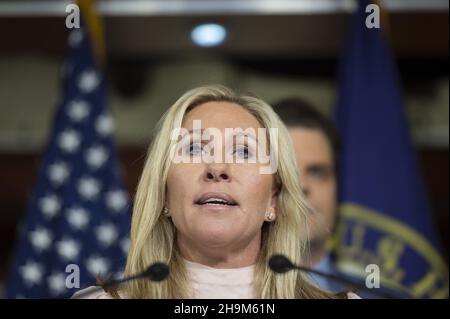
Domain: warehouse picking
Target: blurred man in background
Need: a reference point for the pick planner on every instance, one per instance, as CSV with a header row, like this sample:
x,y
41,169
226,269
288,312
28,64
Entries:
x,y
316,145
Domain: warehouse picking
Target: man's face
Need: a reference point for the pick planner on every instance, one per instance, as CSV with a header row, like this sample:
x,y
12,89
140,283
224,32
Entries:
x,y
318,180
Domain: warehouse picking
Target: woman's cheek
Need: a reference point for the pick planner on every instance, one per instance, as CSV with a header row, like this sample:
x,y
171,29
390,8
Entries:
x,y
258,187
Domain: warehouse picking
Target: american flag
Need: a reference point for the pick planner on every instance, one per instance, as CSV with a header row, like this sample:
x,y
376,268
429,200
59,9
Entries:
x,y
79,211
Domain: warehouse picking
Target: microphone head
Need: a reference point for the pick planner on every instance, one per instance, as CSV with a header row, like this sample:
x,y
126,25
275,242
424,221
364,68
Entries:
x,y
157,271
280,264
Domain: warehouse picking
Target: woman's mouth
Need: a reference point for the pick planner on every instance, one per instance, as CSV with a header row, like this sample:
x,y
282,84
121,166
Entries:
x,y
216,201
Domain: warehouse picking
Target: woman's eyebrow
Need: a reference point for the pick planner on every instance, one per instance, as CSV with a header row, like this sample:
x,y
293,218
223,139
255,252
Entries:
x,y
235,134
241,134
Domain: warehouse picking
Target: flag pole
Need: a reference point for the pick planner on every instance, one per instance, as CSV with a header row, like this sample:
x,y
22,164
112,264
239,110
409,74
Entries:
x,y
94,26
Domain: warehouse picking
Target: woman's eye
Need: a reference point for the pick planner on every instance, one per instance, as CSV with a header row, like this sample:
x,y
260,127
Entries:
x,y
195,149
320,172
242,151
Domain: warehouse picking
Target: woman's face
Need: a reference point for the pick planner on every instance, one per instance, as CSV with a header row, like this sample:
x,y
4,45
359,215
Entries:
x,y
219,204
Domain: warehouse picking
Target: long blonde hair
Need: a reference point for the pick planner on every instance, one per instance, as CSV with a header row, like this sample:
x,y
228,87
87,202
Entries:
x,y
153,236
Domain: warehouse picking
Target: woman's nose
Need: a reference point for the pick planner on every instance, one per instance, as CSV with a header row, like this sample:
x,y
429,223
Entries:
x,y
216,173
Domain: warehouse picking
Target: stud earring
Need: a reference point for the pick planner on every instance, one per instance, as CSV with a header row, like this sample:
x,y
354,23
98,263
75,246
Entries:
x,y
270,216
165,211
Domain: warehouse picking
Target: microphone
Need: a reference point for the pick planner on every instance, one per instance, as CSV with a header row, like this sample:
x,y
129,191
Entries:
x,y
155,272
281,264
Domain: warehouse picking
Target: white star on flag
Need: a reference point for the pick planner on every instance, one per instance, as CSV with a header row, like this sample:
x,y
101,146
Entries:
x,y
75,37
50,206
57,283
78,110
41,239
77,217
104,125
125,245
88,188
106,234
97,265
58,173
116,200
96,156
69,141
68,249
32,273
88,81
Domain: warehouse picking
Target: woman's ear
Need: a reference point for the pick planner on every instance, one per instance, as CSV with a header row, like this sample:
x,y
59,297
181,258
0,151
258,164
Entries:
x,y
274,200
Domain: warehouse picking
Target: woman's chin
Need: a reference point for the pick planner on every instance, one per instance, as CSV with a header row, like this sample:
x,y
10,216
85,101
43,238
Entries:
x,y
216,236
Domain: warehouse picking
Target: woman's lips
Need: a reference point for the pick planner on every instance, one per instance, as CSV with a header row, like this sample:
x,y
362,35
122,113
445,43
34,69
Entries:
x,y
216,199
216,206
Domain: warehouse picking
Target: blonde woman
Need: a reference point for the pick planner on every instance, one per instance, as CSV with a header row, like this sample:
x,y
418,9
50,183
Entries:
x,y
216,222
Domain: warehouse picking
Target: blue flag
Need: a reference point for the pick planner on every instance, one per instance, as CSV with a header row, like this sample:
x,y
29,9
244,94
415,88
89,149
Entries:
x,y
385,219
79,213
